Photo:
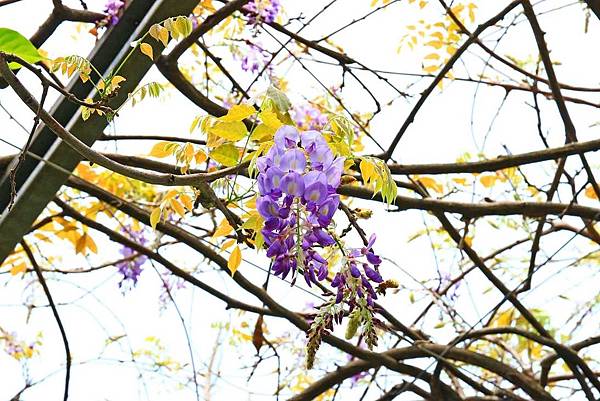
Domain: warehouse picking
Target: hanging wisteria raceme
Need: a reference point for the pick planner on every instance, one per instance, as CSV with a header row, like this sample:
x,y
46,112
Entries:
x,y
262,11
297,181
131,268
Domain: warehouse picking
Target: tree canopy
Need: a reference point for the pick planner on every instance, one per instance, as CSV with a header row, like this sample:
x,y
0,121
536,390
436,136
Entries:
x,y
285,200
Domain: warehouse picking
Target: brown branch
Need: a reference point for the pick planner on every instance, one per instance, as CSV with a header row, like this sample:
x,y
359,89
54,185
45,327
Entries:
x,y
423,349
499,163
529,209
224,70
59,14
95,157
61,328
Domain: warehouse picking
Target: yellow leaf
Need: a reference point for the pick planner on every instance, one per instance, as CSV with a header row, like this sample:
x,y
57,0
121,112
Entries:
x,y
437,35
234,260
251,203
432,56
153,31
200,157
228,155
430,183
431,69
80,245
223,229
422,4
468,241
178,207
91,244
116,80
270,119
147,50
590,193
230,130
163,35
187,202
227,244
161,149
367,170
155,217
262,132
170,195
435,43
183,25
238,112
505,318
488,180
188,150
20,268
460,181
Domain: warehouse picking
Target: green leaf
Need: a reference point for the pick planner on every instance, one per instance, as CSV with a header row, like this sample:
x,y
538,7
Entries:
x,y
12,42
342,128
228,155
375,171
281,101
183,25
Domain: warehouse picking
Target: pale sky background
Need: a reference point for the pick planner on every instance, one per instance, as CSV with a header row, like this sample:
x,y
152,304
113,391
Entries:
x,y
441,132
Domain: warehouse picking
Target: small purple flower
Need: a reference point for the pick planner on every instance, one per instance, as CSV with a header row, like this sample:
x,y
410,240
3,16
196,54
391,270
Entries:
x,y
254,59
113,10
352,281
262,11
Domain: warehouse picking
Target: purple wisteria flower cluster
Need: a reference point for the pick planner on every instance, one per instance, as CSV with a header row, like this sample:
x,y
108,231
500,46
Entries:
x,y
254,59
297,180
18,349
131,268
113,10
351,282
262,11
308,117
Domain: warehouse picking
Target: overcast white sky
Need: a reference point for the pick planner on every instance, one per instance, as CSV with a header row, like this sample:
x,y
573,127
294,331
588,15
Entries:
x,y
441,133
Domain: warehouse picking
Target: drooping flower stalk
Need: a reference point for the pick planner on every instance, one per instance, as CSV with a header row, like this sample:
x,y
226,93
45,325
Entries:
x,y
131,269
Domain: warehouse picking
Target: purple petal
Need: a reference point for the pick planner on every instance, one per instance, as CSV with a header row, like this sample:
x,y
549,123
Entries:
x,y
286,135
292,184
372,274
373,259
293,160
